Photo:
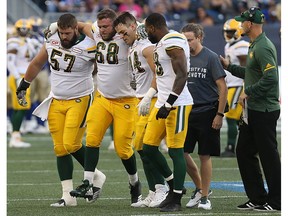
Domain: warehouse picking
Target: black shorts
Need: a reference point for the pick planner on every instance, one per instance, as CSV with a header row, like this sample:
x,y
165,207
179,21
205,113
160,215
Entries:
x,y
200,130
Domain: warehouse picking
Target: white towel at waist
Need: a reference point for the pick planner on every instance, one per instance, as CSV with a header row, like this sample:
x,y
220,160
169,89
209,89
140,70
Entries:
x,y
42,110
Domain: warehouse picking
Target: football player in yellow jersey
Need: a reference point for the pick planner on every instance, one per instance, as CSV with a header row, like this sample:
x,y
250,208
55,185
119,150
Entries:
x,y
71,56
170,114
141,60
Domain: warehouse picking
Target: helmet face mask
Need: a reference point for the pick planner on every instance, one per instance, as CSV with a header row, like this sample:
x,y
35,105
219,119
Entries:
x,y
232,31
23,27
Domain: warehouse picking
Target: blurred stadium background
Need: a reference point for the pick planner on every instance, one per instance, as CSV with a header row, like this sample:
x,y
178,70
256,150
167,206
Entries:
x,y
210,13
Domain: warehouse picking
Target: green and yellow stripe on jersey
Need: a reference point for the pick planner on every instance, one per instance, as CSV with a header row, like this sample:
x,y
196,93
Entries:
x,y
91,49
174,36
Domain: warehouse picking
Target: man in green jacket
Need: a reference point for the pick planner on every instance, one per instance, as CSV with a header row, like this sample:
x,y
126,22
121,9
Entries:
x,y
261,110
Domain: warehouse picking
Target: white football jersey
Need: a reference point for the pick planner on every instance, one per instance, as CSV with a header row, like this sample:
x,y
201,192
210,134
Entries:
x,y
114,74
141,69
26,50
71,69
165,74
231,52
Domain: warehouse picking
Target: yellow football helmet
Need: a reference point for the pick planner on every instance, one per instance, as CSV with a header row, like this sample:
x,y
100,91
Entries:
x,y
36,23
232,30
23,27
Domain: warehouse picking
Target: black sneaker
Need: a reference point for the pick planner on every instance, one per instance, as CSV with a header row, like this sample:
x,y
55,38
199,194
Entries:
x,y
248,206
266,207
135,192
170,198
171,207
83,190
167,200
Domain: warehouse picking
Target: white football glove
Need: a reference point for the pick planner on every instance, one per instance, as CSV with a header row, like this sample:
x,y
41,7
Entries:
x,y
50,30
144,105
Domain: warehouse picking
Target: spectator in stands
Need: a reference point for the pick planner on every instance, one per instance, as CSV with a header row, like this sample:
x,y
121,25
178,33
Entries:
x,y
203,18
97,5
131,7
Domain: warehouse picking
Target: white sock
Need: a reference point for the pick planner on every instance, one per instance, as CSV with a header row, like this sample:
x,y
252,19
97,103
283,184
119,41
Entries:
x,y
99,178
67,186
89,176
133,178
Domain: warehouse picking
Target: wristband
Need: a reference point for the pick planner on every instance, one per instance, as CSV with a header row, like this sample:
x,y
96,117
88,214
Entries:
x,y
151,92
23,85
220,114
172,98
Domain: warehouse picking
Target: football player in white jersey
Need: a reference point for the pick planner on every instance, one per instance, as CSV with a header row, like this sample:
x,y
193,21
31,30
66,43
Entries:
x,y
71,56
236,51
141,61
19,54
169,116
115,102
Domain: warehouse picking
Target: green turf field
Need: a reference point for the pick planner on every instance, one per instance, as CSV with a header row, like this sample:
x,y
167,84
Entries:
x,y
33,184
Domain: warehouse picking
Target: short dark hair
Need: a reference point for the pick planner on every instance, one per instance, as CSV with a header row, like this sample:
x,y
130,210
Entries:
x,y
67,21
197,29
107,13
125,18
157,20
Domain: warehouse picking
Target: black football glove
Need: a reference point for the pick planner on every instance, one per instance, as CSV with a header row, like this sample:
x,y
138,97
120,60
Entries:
x,y
21,92
163,112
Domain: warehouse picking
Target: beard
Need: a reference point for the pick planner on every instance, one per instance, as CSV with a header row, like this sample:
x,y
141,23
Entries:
x,y
152,39
67,44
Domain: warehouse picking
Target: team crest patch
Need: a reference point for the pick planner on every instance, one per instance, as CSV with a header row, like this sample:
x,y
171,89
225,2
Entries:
x,y
127,106
78,100
251,54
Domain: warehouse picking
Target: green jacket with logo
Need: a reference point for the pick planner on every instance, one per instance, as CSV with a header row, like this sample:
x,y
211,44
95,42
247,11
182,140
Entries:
x,y
261,78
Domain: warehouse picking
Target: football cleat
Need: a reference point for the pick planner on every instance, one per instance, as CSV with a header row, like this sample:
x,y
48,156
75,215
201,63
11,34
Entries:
x,y
135,192
84,190
63,203
146,202
160,195
171,207
16,141
98,182
96,193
